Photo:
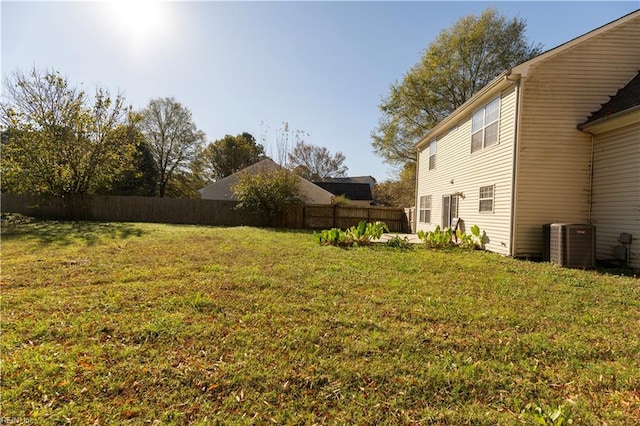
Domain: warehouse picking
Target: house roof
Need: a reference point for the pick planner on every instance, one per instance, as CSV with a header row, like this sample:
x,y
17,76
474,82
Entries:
x,y
627,98
523,68
260,166
222,189
512,75
370,180
353,191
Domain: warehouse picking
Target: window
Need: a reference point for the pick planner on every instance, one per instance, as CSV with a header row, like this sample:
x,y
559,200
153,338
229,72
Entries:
x,y
449,209
486,199
484,126
425,209
432,155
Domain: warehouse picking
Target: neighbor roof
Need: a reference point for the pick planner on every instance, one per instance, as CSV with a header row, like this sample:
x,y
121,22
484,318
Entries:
x,y
222,189
353,179
353,191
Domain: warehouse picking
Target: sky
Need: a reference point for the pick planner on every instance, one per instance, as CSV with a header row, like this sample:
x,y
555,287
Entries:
x,y
239,66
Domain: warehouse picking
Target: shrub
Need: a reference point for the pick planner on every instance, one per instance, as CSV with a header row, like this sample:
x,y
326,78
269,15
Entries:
x,y
340,200
360,235
267,193
438,238
399,243
443,238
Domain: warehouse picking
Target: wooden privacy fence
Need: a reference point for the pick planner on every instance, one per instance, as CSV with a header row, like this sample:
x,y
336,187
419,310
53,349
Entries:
x,y
196,212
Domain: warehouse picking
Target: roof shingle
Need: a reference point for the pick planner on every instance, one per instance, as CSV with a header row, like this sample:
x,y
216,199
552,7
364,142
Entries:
x,y
626,98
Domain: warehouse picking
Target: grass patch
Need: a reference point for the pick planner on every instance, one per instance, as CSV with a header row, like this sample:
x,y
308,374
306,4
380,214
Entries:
x,y
117,323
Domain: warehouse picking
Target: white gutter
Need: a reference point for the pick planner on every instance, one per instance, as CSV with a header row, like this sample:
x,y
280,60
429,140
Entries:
x,y
590,124
514,176
416,209
591,180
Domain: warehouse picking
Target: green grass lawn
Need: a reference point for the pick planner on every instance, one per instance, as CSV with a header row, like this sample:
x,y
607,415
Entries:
x,y
159,324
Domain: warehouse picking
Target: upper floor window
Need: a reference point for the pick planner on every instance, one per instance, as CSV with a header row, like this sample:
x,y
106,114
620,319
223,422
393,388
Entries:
x,y
432,155
484,126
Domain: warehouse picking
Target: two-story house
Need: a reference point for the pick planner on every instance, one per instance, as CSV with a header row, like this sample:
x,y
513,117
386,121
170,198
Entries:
x,y
539,145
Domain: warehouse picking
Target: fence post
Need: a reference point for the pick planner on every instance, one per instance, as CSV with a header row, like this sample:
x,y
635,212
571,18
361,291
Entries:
x,y
304,216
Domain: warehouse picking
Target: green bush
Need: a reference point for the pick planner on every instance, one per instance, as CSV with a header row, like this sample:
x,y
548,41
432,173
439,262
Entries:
x,y
355,236
399,243
443,238
438,238
266,193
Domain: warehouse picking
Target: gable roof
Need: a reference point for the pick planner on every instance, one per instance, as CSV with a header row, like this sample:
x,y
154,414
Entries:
x,y
523,68
512,75
626,99
222,189
353,191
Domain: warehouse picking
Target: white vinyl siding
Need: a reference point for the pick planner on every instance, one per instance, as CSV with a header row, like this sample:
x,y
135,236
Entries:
x,y
461,173
616,191
554,157
425,209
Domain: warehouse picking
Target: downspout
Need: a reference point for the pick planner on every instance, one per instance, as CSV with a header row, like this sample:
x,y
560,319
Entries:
x,y
590,180
591,160
514,168
416,207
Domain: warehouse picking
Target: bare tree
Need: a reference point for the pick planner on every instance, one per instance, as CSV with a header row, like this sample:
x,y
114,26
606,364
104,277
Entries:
x,y
316,163
172,137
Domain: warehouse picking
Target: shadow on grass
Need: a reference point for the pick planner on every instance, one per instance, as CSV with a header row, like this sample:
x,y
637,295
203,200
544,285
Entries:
x,y
64,232
616,269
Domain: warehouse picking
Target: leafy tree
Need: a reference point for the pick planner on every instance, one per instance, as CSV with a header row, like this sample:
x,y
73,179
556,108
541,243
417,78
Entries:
x,y
458,63
172,137
400,192
267,193
58,141
186,182
231,154
141,179
316,163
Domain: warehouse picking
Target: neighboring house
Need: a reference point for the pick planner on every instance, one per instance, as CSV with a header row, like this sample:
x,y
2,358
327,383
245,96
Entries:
x,y
523,152
222,189
358,194
370,180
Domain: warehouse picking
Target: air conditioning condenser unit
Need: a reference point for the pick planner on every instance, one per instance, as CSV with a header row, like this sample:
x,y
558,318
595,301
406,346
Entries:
x,y
572,245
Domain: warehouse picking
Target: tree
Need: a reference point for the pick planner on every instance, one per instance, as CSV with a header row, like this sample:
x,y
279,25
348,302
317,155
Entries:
x,y
316,163
266,193
458,63
172,137
186,182
58,141
231,154
400,192
141,179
